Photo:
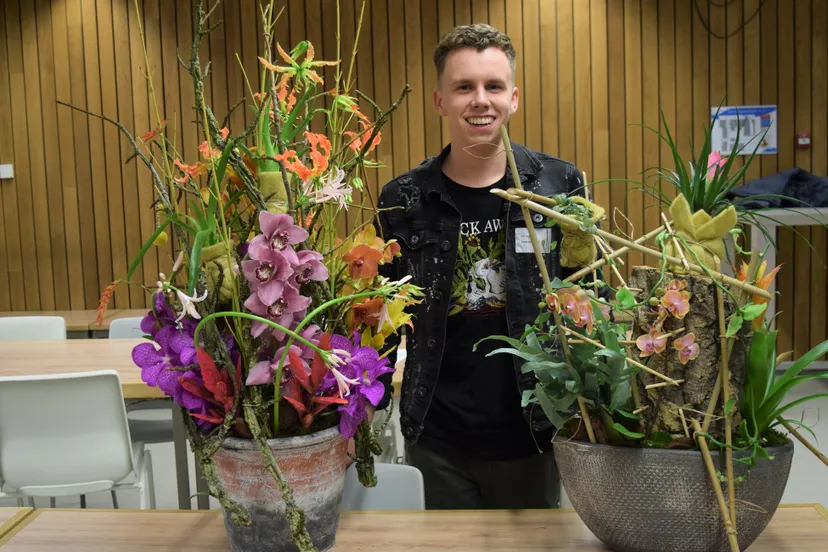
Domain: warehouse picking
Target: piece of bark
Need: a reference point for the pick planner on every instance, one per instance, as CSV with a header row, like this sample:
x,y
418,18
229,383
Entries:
x,y
700,374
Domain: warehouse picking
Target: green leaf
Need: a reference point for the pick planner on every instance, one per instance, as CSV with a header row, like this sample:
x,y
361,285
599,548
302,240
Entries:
x,y
195,261
548,408
659,439
147,244
627,433
734,325
729,405
557,283
625,298
513,342
751,311
626,414
524,355
527,398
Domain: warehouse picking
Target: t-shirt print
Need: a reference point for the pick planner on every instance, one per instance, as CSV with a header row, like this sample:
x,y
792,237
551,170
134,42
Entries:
x,y
478,285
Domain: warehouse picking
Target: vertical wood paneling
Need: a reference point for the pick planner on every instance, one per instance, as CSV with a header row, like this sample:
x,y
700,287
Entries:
x,y
583,86
633,77
23,178
12,293
66,151
589,73
819,164
600,102
566,82
650,49
786,115
532,101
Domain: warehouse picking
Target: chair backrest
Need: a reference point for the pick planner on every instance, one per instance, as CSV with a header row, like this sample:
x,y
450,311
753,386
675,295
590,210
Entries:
x,y
399,487
125,328
64,434
32,328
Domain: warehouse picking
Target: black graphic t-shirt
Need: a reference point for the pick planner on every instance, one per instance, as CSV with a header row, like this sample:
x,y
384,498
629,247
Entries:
x,y
475,410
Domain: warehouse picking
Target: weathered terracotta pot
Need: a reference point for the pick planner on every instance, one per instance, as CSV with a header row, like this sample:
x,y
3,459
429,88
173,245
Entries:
x,y
662,500
314,467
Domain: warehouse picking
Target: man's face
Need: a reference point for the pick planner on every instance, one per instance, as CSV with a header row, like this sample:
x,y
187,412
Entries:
x,y
476,94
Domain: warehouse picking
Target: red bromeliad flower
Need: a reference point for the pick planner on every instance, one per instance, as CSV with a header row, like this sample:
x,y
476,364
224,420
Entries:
x,y
217,389
304,388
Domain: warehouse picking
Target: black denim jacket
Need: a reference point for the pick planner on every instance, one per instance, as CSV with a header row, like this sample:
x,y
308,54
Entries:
x,y
426,223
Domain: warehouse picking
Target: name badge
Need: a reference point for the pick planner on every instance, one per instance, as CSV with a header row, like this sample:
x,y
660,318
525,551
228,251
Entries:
x,y
523,243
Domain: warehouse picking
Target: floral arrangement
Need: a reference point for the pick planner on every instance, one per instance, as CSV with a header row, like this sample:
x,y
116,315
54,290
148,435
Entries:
x,y
271,323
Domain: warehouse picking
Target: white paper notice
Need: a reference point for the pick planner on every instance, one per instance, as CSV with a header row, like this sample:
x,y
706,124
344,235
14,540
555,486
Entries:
x,y
523,243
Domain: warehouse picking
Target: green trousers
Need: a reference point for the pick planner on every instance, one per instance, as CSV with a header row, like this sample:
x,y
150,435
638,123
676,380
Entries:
x,y
460,483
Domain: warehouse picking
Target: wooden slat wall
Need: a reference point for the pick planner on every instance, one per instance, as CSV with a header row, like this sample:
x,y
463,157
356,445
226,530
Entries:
x,y
588,70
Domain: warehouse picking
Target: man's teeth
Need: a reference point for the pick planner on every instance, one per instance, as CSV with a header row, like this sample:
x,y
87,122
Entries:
x,y
482,121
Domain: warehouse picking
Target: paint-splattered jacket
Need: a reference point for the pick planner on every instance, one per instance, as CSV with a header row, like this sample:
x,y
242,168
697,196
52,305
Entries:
x,y
426,224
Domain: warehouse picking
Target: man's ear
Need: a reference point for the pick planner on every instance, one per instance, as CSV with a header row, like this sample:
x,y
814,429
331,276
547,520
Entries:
x,y
513,107
438,102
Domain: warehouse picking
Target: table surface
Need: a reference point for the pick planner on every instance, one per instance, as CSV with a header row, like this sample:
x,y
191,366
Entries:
x,y
11,517
82,320
25,358
800,528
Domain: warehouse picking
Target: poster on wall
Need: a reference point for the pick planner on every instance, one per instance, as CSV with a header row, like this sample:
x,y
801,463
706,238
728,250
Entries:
x,y
758,127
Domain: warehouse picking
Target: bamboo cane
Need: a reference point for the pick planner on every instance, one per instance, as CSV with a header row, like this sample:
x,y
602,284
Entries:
x,y
676,243
804,441
667,379
662,384
725,358
717,488
617,253
632,245
527,218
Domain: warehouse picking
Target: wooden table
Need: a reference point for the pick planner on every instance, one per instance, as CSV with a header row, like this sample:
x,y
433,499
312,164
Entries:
x,y
800,528
22,358
11,518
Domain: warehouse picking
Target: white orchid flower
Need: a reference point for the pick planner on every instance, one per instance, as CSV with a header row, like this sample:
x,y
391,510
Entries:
x,y
188,304
342,382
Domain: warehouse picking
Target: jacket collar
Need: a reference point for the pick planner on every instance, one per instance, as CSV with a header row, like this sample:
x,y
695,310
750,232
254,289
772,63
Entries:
x,y
528,167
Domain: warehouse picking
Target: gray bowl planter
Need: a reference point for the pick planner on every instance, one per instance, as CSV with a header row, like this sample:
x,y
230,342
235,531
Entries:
x,y
662,500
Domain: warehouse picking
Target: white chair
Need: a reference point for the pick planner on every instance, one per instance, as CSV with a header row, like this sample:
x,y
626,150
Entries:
x,y
126,328
398,487
145,431
67,434
32,328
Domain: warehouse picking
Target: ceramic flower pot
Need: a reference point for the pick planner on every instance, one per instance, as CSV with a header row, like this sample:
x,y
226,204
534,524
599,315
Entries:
x,y
657,500
314,468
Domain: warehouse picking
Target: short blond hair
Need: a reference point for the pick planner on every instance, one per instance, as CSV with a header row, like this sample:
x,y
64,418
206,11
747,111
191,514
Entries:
x,y
478,36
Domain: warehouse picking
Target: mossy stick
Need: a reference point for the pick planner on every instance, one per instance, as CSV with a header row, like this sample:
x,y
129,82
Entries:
x,y
725,357
530,227
717,488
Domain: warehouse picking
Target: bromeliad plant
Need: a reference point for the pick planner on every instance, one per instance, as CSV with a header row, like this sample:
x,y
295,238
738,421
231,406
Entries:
x,y
272,323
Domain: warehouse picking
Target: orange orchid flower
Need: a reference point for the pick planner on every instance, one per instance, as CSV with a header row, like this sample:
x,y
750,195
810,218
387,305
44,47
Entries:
x,y
292,162
191,172
358,139
763,281
363,261
368,313
301,71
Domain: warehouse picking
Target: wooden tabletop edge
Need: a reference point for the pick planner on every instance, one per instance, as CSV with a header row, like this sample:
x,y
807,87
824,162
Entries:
x,y
17,523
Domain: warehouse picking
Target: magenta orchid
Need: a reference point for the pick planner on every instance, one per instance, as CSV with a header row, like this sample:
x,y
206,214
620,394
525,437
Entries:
x,y
310,267
278,234
282,311
687,348
651,343
267,276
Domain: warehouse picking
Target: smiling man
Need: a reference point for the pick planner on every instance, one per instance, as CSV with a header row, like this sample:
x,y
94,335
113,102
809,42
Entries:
x,y
461,412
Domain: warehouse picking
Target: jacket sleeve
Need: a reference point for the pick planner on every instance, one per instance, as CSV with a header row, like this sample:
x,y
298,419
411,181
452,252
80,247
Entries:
x,y
387,270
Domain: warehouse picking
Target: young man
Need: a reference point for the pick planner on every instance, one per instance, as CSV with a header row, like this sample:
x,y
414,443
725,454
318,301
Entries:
x,y
461,412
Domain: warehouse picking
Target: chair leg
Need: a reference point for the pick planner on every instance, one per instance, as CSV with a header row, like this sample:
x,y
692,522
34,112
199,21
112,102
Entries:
x,y
20,503
114,499
83,500
31,502
52,502
146,482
